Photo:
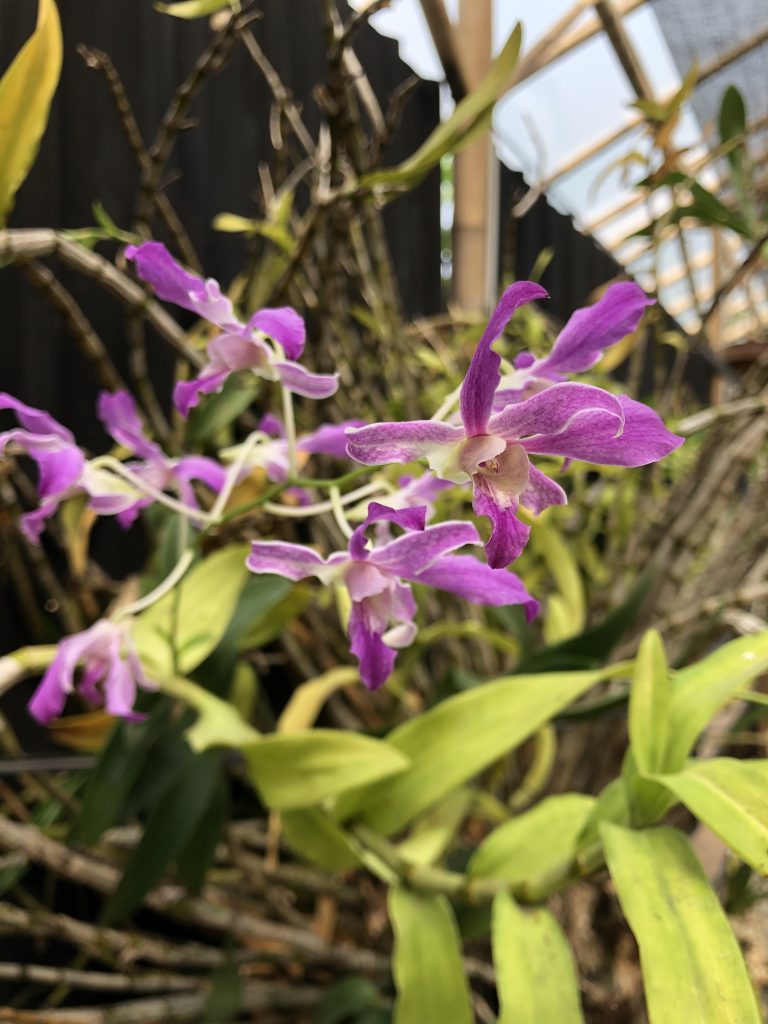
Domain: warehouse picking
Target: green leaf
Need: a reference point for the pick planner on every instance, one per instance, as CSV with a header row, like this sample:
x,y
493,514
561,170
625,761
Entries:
x,y
692,966
535,843
567,611
346,999
178,632
700,690
219,411
434,832
732,119
470,118
592,647
218,723
301,769
426,960
193,8
26,91
170,827
315,836
731,798
112,777
535,974
197,855
649,699
457,739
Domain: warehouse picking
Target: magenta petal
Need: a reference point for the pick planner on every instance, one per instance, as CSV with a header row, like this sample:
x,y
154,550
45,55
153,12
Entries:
x,y
414,552
202,469
187,393
295,378
172,283
118,412
35,420
483,375
120,690
271,425
508,537
380,443
553,409
541,492
592,329
292,561
406,518
283,325
477,582
233,350
644,439
376,659
32,523
330,439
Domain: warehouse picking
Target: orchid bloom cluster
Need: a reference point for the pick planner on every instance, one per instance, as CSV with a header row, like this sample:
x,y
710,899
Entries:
x,y
502,421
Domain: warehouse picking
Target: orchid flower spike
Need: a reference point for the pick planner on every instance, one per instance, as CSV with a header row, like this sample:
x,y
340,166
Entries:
x,y
268,344
111,673
118,412
492,449
377,578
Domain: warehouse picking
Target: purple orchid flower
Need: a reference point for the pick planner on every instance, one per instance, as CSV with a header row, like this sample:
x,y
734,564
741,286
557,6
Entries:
x,y
580,345
59,461
492,450
118,412
239,346
383,607
111,672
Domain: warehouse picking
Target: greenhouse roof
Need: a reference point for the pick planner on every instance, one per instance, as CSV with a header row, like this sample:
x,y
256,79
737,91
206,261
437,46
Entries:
x,y
570,126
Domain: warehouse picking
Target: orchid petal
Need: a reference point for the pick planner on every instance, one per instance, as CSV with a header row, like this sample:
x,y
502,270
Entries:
x,y
466,576
591,438
508,536
283,325
300,381
187,393
362,579
482,379
376,658
35,420
414,552
292,561
595,328
330,439
236,351
405,518
202,469
118,412
541,492
172,283
552,410
381,443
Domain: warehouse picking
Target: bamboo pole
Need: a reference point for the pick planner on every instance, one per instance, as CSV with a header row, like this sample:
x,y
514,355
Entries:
x,y
476,173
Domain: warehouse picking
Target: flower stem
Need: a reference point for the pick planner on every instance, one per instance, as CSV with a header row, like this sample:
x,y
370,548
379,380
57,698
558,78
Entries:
x,y
170,581
233,473
143,486
304,511
290,430
337,508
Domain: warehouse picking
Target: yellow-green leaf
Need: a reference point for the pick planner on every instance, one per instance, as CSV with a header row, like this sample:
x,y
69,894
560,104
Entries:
x,y
649,698
301,769
535,843
178,632
307,700
426,961
699,691
434,832
731,797
452,742
692,966
26,91
471,117
535,973
218,723
193,8
315,836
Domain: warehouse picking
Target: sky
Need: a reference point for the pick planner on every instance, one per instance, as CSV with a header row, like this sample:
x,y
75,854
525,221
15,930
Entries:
x,y
562,109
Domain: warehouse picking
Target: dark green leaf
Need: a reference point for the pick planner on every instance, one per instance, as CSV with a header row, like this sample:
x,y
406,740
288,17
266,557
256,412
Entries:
x,y
197,856
170,827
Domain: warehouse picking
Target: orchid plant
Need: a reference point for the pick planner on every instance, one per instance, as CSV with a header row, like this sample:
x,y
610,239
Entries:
x,y
488,442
